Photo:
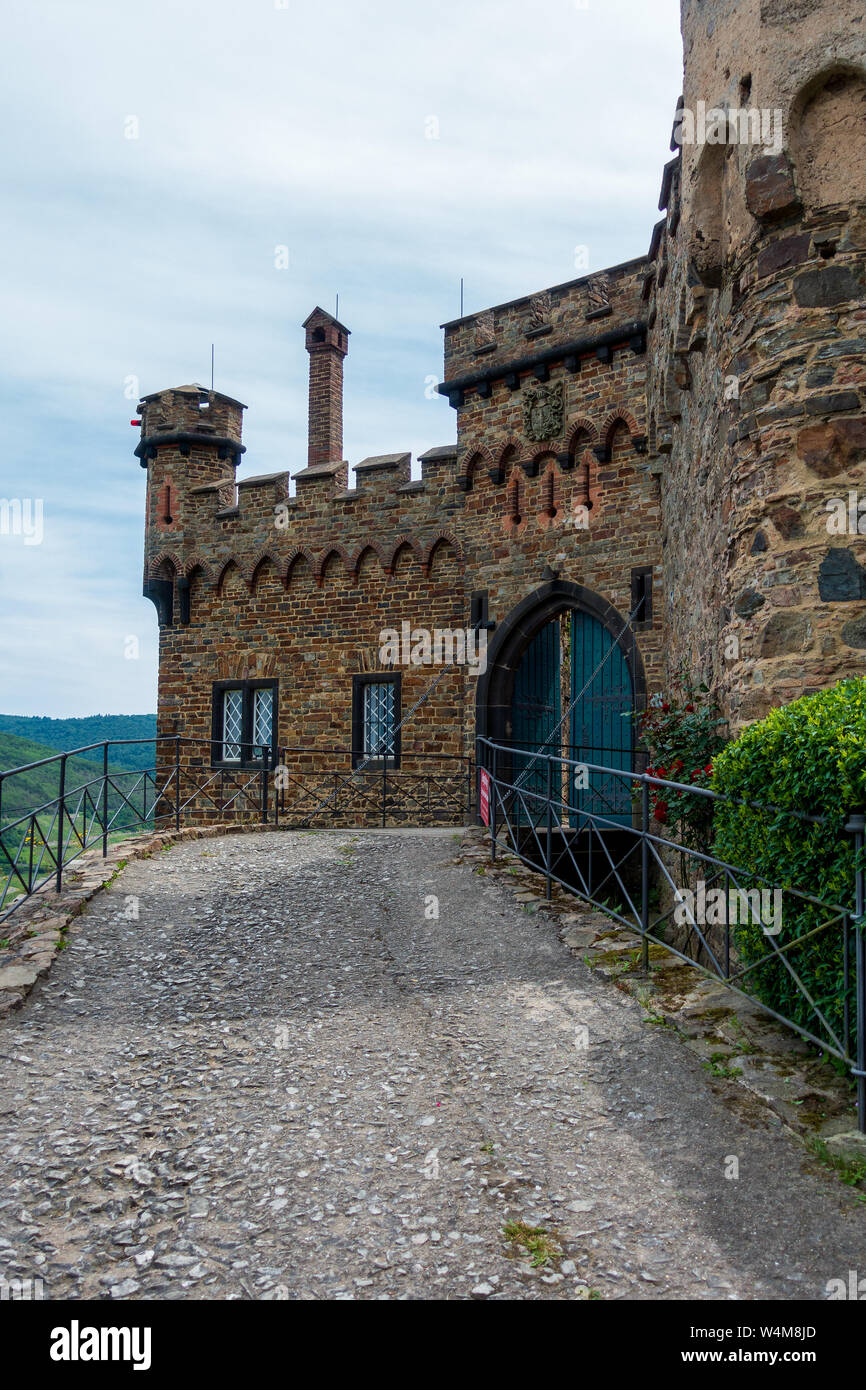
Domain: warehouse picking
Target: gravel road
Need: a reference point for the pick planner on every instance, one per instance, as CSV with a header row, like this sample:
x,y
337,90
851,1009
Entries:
x,y
339,1065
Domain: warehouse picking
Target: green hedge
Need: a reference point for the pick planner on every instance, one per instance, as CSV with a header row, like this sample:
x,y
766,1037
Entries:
x,y
808,756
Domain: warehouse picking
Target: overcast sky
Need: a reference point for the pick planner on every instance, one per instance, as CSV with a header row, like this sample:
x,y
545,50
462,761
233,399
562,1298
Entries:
x,y
390,146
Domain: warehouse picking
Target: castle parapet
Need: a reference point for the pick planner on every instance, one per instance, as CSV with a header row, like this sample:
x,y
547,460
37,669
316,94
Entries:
x,y
321,480
439,463
383,471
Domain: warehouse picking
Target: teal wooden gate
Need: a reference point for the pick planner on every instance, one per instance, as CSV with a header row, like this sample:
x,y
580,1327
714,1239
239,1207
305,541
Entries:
x,y
601,731
535,714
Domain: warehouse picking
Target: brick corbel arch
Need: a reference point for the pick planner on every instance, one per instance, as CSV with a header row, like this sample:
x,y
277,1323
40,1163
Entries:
x,y
617,416
579,426
398,545
231,561
541,452
479,456
440,538
507,454
259,560
324,557
198,562
511,442
355,562
299,553
540,449
163,558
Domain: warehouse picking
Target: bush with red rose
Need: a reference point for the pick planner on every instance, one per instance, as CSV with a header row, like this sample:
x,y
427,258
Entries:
x,y
682,734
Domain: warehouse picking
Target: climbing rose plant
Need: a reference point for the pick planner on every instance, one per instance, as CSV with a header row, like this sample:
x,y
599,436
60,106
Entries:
x,y
682,734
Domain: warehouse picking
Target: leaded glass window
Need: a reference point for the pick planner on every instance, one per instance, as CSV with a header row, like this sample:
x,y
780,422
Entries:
x,y
379,719
244,722
233,713
263,720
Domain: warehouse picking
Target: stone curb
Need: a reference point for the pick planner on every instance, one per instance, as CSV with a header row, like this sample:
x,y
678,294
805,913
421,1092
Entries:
x,y
737,1041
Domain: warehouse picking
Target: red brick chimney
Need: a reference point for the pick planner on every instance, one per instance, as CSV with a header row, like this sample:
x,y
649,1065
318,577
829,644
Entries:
x,y
327,343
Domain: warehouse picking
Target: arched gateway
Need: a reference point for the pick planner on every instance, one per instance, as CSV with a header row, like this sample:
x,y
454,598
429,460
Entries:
x,y
564,644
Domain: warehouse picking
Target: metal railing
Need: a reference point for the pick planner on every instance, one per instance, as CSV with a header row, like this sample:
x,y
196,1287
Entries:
x,y
188,784
315,784
554,826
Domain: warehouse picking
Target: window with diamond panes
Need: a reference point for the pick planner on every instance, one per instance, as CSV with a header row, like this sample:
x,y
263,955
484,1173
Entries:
x,y
263,721
244,722
233,716
379,720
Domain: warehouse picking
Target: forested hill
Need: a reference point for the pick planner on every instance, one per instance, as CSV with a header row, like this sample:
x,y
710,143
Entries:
x,y
63,734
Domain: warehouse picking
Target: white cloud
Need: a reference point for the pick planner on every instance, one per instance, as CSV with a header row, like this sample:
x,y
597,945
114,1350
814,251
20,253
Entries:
x,y
261,126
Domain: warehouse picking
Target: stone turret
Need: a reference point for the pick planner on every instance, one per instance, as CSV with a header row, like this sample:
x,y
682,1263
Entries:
x,y
191,447
758,347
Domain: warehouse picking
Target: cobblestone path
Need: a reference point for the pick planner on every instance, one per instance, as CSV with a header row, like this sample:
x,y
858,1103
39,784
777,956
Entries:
x,y
289,1079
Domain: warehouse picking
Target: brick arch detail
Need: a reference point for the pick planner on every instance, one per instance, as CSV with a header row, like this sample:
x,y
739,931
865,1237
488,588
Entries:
x,y
230,562
479,456
324,557
198,562
300,552
581,425
258,560
512,442
617,416
378,551
398,545
543,453
165,557
440,538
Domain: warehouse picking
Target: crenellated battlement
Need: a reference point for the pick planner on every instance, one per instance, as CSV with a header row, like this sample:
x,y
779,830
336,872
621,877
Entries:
x,y
542,439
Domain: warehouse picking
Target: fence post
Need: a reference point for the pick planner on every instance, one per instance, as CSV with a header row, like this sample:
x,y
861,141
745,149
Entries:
x,y
264,795
384,790
728,925
549,816
177,781
104,799
855,826
62,800
492,808
644,872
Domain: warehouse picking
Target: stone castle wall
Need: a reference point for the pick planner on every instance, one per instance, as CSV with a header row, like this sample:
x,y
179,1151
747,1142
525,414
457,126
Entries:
x,y
259,584
758,349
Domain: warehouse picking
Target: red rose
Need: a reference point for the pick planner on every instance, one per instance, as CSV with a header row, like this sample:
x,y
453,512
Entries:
x,y
661,811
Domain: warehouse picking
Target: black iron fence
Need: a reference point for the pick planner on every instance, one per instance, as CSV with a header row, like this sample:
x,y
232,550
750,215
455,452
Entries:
x,y
545,808
89,799
312,785
585,825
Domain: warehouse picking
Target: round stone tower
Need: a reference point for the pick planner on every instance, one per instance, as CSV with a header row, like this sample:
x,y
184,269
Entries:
x,y
758,348
191,447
